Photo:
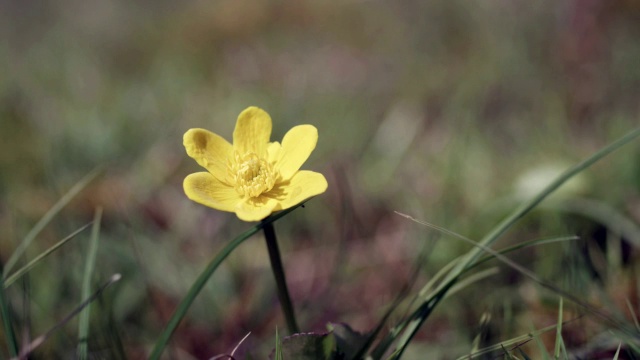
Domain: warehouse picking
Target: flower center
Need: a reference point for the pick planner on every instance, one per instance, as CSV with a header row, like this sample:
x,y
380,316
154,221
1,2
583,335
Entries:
x,y
251,174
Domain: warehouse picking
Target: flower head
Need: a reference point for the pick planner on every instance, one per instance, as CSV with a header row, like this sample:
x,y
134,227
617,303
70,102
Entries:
x,y
253,177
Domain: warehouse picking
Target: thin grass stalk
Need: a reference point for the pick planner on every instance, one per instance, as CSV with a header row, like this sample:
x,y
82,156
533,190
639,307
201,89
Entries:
x,y
605,214
413,325
463,283
90,265
281,281
31,264
524,209
512,343
29,348
7,322
202,279
278,354
522,353
633,315
624,330
474,253
539,344
523,245
37,228
615,357
507,354
556,352
424,293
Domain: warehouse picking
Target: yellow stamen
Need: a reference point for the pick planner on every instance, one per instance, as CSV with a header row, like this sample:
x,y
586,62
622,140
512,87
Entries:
x,y
251,175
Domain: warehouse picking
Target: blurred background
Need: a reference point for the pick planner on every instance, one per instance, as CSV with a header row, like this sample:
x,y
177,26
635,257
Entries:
x,y
448,110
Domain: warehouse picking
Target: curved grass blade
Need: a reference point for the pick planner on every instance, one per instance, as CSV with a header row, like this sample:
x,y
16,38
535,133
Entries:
x,y
55,209
431,284
523,245
202,279
427,291
42,338
25,269
440,274
612,218
412,325
625,330
90,265
474,253
525,208
470,280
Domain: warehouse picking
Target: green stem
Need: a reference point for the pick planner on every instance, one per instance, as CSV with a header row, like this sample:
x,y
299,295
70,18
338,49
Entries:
x,y
278,273
197,286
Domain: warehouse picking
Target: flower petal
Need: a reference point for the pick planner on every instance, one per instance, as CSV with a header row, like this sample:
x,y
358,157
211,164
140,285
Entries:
x,y
255,209
252,132
273,151
303,185
210,150
297,145
204,188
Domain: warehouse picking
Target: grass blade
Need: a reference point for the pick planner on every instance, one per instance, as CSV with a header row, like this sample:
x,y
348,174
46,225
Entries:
x,y
427,293
522,353
605,214
633,315
37,228
541,348
278,355
624,329
473,254
523,245
556,353
525,208
42,338
7,322
512,343
470,280
25,269
615,357
90,265
202,279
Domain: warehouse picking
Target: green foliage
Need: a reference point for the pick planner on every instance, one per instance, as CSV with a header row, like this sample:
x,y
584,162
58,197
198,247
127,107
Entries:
x,y
25,269
55,209
200,282
449,110
90,265
7,322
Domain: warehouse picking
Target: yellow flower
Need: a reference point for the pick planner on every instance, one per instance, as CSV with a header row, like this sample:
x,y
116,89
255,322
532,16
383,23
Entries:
x,y
253,177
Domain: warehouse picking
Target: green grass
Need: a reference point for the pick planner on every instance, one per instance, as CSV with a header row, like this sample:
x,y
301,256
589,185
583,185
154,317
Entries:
x,y
440,110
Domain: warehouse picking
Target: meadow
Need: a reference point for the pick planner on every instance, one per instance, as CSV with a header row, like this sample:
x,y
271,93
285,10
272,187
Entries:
x,y
482,162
